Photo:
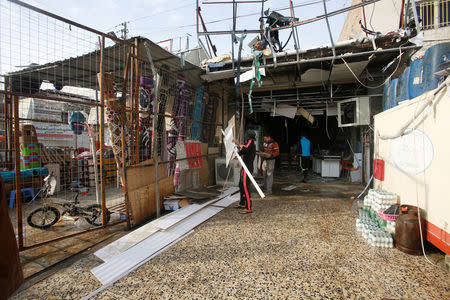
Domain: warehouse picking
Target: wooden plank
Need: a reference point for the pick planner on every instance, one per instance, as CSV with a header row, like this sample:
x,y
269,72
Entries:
x,y
205,174
140,176
213,150
142,199
204,148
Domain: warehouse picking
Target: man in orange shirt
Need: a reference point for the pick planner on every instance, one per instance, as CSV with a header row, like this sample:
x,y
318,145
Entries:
x,y
270,147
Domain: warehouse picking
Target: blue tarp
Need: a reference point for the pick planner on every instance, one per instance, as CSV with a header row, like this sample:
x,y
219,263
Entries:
x,y
24,174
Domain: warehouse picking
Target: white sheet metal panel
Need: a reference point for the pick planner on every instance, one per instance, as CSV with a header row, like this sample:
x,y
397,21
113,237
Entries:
x,y
125,242
227,201
162,223
173,218
103,287
176,216
342,73
226,193
126,260
120,264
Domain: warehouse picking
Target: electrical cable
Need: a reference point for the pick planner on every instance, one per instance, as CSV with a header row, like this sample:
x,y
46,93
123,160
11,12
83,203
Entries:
x,y
386,80
367,185
285,44
419,209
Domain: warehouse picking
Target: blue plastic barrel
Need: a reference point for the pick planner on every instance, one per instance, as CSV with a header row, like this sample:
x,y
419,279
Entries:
x,y
402,86
385,101
415,86
434,56
390,94
393,93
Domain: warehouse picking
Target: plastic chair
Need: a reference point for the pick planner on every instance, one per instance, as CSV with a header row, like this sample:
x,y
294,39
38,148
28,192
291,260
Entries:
x,y
24,191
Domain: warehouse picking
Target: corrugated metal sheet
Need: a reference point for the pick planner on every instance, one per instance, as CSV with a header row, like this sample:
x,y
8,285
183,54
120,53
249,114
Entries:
x,y
119,265
227,201
125,242
162,223
175,217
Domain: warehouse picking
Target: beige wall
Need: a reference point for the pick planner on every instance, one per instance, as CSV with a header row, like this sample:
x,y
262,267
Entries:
x,y
382,16
431,188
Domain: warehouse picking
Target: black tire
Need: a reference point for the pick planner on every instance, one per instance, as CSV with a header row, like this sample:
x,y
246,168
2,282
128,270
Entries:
x,y
94,214
43,217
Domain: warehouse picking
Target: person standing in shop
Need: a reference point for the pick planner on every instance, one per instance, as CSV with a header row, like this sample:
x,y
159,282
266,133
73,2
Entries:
x,y
304,150
248,152
272,151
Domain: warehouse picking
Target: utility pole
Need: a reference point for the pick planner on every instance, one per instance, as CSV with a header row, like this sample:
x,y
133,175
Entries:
x,y
123,31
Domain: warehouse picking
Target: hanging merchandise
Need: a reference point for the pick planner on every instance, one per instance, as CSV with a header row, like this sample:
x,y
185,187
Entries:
x,y
114,115
208,131
161,124
177,126
30,155
146,95
257,76
76,120
197,115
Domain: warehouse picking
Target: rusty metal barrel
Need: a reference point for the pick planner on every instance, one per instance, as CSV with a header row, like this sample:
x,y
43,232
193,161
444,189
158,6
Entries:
x,y
407,231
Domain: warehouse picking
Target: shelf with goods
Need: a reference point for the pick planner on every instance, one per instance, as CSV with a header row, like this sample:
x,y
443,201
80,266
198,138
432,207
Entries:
x,y
109,171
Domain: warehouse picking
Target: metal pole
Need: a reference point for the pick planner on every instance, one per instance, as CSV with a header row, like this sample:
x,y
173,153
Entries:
x,y
329,30
122,137
416,18
294,31
197,8
102,134
155,143
17,168
157,83
223,111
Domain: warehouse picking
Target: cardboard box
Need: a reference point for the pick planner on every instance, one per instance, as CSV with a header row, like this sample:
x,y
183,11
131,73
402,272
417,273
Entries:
x,y
175,204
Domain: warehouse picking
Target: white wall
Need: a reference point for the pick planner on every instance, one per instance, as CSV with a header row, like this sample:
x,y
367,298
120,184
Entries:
x,y
429,151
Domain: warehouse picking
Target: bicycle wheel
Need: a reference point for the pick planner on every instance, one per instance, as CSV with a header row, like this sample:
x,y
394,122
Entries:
x,y
93,214
43,217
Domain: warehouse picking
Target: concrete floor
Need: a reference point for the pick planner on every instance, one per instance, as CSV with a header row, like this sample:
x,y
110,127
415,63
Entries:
x,y
296,244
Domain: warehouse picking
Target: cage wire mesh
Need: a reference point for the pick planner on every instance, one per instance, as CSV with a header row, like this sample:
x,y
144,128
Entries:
x,y
49,66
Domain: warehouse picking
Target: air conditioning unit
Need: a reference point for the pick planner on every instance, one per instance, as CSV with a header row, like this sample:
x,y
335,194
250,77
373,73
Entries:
x,y
353,112
222,172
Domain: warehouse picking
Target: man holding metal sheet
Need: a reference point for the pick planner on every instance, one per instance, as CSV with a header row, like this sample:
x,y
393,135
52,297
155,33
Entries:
x,y
248,151
270,152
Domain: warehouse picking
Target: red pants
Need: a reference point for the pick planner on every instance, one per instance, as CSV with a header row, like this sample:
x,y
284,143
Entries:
x,y
244,185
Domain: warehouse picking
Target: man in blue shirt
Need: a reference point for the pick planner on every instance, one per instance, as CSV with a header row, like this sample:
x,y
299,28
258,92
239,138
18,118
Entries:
x,y
304,149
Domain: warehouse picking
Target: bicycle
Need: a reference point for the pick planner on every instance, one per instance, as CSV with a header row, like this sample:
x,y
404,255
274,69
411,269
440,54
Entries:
x,y
47,216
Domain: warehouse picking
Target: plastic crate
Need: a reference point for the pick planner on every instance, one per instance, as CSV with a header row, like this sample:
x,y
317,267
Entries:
x,y
387,217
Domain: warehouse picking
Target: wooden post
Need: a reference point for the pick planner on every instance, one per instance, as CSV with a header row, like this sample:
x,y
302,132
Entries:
x,y
102,134
130,105
136,102
122,138
6,118
18,180
10,127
